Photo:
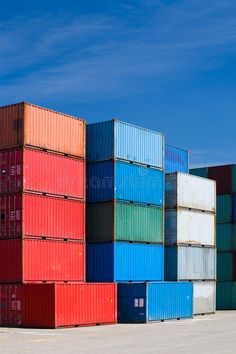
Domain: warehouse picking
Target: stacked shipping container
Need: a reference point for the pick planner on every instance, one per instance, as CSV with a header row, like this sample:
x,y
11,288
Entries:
x,y
225,177
190,236
125,203
42,230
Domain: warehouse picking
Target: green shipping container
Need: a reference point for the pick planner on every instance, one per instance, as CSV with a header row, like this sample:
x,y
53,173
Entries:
x,y
117,221
200,172
224,208
225,266
226,295
234,236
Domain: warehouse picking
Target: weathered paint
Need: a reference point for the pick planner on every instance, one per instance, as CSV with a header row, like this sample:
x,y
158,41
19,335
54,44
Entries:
x,y
204,297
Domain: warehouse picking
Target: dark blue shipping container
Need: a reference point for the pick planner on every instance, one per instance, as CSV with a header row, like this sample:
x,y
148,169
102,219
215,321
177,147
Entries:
x,y
123,181
176,160
157,301
124,261
234,207
118,140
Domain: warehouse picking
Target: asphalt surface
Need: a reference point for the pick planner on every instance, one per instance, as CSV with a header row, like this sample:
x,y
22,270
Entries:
x,y
205,335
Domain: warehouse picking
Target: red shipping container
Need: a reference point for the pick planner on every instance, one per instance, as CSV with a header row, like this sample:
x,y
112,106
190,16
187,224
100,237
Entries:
x,y
39,171
58,305
32,215
223,177
41,261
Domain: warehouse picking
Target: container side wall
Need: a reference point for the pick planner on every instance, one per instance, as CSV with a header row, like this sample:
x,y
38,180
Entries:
x,y
100,222
100,141
200,172
204,297
176,160
11,125
170,301
224,266
224,208
226,295
100,181
223,177
224,239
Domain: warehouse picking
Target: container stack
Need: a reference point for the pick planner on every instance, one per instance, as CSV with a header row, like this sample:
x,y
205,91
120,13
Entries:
x,y
176,159
190,253
125,203
42,230
225,177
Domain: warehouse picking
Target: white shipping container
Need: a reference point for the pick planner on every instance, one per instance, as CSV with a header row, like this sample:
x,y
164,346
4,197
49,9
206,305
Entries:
x,y
183,226
204,297
188,191
190,263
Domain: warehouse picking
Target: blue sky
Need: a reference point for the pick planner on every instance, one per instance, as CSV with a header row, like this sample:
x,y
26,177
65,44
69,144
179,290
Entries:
x,y
166,65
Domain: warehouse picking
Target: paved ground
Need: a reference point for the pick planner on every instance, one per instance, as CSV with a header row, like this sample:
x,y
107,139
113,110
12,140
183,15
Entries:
x,y
205,335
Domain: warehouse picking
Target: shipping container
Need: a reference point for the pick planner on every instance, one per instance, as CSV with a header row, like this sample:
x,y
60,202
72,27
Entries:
x,y
200,172
204,297
190,263
176,160
183,190
40,261
26,124
123,261
40,171
57,305
224,239
183,226
226,266
157,301
33,215
224,208
117,221
118,140
226,295
124,182
223,177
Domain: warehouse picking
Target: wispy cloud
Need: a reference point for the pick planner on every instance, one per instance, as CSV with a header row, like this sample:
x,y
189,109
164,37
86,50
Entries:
x,y
212,156
89,57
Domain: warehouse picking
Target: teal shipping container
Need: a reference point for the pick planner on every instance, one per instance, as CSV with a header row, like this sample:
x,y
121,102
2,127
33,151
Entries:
x,y
154,301
118,140
226,237
224,208
118,221
226,266
124,181
200,172
226,295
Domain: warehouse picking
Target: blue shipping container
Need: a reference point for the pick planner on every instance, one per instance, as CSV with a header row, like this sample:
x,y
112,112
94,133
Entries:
x,y
123,261
124,181
176,160
157,301
118,140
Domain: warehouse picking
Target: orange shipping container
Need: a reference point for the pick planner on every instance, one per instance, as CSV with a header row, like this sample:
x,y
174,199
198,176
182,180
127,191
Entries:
x,y
24,124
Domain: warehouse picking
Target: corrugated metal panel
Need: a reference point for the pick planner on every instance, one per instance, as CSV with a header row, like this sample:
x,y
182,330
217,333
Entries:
x,y
118,221
200,172
119,140
122,261
176,160
36,260
226,295
204,297
223,177
224,239
125,182
39,171
57,305
224,208
183,190
189,227
144,302
234,237
234,207
26,124
32,215
224,266
234,178
190,263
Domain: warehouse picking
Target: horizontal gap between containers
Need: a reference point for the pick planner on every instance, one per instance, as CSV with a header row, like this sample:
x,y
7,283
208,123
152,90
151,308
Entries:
x,y
126,241
43,238
190,209
189,245
18,282
44,194
127,202
126,161
54,152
